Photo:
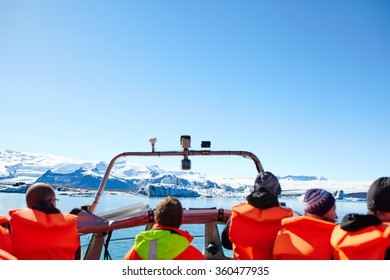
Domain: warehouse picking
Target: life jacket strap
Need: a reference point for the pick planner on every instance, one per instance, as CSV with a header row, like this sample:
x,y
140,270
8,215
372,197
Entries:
x,y
153,250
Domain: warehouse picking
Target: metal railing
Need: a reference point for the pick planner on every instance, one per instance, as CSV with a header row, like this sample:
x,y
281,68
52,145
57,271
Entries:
x,y
186,164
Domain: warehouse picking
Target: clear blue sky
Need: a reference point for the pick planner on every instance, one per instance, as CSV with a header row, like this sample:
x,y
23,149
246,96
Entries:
x,y
305,85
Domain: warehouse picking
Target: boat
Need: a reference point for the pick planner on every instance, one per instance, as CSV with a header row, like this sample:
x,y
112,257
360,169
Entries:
x,y
101,226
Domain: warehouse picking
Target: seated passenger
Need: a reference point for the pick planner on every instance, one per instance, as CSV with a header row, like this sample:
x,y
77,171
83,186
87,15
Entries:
x,y
165,241
308,237
366,237
5,240
253,226
41,231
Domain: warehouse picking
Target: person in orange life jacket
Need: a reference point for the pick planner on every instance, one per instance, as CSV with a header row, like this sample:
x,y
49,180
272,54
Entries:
x,y
5,240
252,227
41,231
366,237
308,237
165,241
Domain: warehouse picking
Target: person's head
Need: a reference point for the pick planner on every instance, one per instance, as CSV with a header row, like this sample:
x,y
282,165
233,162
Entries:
x,y
169,212
267,182
40,194
378,199
320,203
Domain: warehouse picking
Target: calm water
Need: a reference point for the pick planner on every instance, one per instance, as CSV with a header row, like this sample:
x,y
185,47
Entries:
x,y
122,240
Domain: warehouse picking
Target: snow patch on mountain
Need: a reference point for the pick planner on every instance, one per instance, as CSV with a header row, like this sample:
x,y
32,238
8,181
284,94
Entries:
x,y
150,180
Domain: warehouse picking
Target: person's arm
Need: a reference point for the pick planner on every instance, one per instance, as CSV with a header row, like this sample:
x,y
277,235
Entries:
x,y
130,255
226,243
387,254
77,255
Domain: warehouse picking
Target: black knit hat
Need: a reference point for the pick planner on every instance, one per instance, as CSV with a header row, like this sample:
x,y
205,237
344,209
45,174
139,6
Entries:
x,y
268,182
378,196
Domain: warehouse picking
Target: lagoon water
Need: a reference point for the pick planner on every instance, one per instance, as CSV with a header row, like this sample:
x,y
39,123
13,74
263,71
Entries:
x,y
122,240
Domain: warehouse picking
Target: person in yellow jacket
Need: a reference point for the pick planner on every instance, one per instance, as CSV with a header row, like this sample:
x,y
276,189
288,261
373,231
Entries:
x,y
165,241
366,237
41,231
252,227
307,237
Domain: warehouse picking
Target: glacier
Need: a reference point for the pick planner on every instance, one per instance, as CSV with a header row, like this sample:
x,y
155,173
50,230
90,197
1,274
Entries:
x,y
18,170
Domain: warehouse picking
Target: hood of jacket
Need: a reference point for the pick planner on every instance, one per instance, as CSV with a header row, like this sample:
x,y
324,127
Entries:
x,y
262,199
355,222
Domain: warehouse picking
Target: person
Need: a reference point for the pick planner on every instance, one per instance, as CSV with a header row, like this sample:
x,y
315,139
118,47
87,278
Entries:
x,y
253,225
165,241
5,240
366,237
41,231
307,237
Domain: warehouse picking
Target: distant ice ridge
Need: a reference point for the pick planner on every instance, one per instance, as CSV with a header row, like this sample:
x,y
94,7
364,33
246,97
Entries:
x,y
142,179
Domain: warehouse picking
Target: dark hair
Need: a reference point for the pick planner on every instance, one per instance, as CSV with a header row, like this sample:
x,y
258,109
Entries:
x,y
378,196
169,212
39,194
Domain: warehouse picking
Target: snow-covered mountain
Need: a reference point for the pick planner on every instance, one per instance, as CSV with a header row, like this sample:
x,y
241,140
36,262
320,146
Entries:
x,y
22,169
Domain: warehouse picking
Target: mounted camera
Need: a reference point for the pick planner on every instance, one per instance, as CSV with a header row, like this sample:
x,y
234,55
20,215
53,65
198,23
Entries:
x,y
186,164
206,144
185,141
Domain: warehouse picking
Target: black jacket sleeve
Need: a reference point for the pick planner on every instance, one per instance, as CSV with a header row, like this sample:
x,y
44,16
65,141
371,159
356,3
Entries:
x,y
387,255
226,243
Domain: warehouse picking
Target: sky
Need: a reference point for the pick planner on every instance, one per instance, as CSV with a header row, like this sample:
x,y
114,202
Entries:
x,y
304,85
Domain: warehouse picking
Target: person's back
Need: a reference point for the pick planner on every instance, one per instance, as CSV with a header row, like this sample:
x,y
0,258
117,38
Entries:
x,y
165,241
253,230
41,231
253,226
174,244
361,237
308,237
366,237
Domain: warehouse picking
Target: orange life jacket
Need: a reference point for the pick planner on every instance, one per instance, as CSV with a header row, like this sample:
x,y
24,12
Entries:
x,y
36,235
4,255
5,240
253,230
304,238
369,243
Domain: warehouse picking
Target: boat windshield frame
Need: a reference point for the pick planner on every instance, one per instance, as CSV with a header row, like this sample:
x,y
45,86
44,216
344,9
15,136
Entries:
x,y
186,152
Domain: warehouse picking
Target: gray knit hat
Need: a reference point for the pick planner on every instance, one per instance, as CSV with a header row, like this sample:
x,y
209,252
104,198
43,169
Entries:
x,y
268,182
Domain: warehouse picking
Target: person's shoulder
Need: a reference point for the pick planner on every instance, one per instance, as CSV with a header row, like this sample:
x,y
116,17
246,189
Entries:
x,y
191,253
132,255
